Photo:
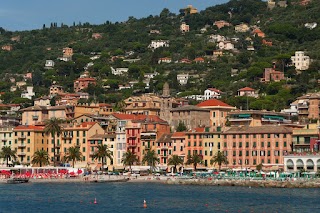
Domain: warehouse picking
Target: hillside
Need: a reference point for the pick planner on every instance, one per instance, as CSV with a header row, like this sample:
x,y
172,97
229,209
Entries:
x,y
114,44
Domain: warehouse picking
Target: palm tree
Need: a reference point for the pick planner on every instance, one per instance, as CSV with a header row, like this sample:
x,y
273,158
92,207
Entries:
x,y
219,159
73,154
128,159
6,153
40,157
194,159
53,127
175,160
102,153
151,159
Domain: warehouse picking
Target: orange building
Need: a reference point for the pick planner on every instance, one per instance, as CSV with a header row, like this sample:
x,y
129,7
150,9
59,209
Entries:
x,y
83,83
246,147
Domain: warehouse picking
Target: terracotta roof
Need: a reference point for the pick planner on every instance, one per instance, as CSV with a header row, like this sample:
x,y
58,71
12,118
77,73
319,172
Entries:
x,y
199,59
275,129
28,127
246,89
102,136
165,138
214,90
104,105
189,108
213,103
138,118
178,135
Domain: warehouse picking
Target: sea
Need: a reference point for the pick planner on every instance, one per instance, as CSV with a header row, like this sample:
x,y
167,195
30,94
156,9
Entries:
x,y
129,197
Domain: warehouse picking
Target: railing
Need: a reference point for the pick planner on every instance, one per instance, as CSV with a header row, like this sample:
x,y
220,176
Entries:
x,y
21,146
22,137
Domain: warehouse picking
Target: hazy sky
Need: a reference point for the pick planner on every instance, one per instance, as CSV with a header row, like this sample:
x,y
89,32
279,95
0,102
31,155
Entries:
x,y
32,14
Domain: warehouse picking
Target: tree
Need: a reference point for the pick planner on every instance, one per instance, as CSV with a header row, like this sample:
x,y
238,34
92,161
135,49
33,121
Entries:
x,y
219,159
53,127
6,153
194,159
128,159
74,154
40,158
102,153
259,167
181,127
151,159
175,160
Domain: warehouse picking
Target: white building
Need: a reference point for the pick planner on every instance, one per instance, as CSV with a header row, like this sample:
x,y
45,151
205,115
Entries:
x,y
183,79
298,162
150,75
216,38
211,93
119,71
225,45
300,60
159,43
293,111
184,28
49,64
247,91
311,26
242,28
28,93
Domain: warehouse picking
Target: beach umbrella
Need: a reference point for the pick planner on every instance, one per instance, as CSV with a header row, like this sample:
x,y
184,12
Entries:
x,y
28,174
79,171
72,173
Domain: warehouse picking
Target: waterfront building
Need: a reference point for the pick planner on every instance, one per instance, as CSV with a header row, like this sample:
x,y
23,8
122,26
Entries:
x,y
178,142
211,146
301,138
246,146
164,149
194,143
309,107
218,112
6,139
297,162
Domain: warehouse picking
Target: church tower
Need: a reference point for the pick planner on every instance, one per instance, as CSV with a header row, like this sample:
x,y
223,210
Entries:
x,y
166,103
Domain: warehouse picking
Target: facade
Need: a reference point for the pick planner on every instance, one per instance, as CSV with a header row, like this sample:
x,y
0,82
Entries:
x,y
56,89
147,104
309,107
6,139
211,93
191,116
246,147
270,74
184,28
42,101
300,60
164,60
247,91
302,137
83,83
28,93
241,28
296,163
225,45
159,43
93,109
49,64
218,112
221,24
212,145
255,118
183,78
119,71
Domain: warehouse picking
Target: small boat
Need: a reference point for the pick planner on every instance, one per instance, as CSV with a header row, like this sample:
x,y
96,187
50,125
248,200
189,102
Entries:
x,y
17,180
110,180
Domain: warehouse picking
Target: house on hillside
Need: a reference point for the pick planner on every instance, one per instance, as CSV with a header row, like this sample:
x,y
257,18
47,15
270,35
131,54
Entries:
x,y
242,28
225,45
183,78
199,60
158,43
211,93
49,64
258,32
119,71
164,60
247,91
184,28
221,23
270,74
300,60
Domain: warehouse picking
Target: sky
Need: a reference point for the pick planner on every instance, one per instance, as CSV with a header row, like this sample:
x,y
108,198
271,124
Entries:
x,y
19,15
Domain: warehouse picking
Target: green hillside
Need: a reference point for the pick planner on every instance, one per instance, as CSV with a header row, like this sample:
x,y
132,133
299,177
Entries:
x,y
284,27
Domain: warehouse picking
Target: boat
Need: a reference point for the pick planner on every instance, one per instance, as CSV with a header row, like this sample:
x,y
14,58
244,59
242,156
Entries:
x,y
110,180
17,180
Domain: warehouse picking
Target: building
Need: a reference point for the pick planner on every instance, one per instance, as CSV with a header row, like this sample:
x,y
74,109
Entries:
x,y
42,101
199,60
119,71
242,28
164,60
159,43
96,35
183,78
167,103
247,147
293,110
258,32
7,47
255,118
49,64
99,109
221,24
300,60
28,93
55,89
212,93
247,91
270,74
6,139
218,112
190,10
302,137
191,116
309,107
306,162
184,28
83,82
146,104
225,45
164,149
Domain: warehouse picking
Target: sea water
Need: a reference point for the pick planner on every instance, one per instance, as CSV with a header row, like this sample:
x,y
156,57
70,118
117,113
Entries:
x,y
129,197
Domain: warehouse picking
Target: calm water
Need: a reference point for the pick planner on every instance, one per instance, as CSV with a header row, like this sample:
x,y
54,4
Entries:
x,y
128,197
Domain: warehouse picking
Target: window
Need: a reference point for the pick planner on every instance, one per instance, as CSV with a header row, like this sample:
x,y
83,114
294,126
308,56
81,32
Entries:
x,y
247,153
84,134
247,135
247,144
240,136
234,153
78,142
254,135
158,152
195,137
277,144
205,153
225,144
269,153
284,144
28,133
262,144
254,144
240,153
205,144
234,144
189,143
83,149
277,161
254,162
284,135
262,135
268,135
28,140
189,152
83,140
214,114
77,133
174,148
28,149
240,144
83,158
194,143
268,144
200,143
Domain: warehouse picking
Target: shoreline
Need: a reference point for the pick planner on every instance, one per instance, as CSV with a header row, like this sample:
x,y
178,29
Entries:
x,y
313,183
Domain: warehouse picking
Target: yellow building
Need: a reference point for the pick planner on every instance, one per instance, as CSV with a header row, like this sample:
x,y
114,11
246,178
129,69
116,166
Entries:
x,y
94,109
26,140
301,138
6,139
211,142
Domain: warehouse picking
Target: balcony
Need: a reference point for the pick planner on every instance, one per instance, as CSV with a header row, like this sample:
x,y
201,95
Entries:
x,y
91,153
35,117
132,136
131,145
164,148
21,137
66,136
4,140
22,146
21,154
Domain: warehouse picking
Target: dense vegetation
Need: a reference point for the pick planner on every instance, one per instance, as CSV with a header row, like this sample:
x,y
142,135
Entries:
x,y
130,39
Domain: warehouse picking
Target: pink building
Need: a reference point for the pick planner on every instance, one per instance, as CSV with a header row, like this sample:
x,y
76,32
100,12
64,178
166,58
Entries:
x,y
247,91
83,83
246,147
270,74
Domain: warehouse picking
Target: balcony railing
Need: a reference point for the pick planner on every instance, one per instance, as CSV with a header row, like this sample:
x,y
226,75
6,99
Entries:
x,y
21,154
21,146
131,145
35,117
22,137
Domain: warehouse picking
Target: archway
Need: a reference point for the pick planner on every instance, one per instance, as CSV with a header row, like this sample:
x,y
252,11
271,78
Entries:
x,y
300,164
310,164
318,165
290,165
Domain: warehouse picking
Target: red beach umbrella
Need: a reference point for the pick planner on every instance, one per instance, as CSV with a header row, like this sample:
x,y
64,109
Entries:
x,y
72,173
28,174
79,171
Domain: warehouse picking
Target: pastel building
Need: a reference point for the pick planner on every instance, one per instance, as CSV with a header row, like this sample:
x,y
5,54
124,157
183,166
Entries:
x,y
296,163
246,147
300,60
